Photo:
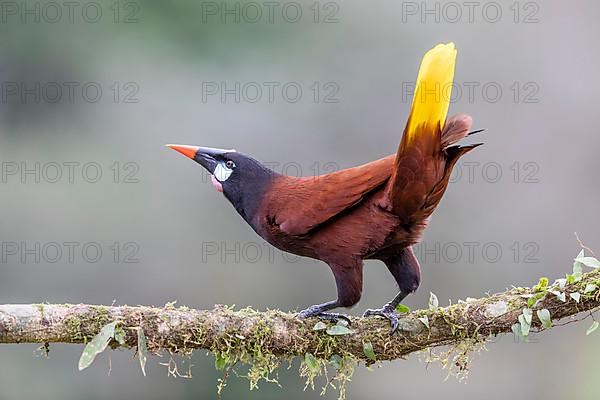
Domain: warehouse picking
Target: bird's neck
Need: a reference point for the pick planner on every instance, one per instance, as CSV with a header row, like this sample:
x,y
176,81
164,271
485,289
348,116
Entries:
x,y
248,199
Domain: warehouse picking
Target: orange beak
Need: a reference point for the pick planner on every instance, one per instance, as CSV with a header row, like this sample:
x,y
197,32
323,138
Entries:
x,y
188,151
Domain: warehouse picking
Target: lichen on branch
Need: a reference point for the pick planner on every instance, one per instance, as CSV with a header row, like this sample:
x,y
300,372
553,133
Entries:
x,y
264,339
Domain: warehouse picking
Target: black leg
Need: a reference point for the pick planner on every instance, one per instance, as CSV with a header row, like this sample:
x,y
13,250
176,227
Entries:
x,y
388,311
405,269
348,279
320,311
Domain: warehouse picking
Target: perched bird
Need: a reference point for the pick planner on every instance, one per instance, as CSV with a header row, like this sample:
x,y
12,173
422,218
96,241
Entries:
x,y
374,211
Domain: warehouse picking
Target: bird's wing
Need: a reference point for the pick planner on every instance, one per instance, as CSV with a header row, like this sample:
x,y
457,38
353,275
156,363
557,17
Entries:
x,y
298,205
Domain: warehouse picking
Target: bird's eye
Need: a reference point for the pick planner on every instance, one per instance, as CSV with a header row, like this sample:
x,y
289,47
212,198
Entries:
x,y
230,164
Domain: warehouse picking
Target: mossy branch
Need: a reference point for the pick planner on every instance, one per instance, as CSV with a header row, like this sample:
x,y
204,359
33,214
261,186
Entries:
x,y
281,335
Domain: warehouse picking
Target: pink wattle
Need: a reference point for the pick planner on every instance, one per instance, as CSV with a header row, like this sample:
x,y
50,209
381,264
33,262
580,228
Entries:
x,y
216,184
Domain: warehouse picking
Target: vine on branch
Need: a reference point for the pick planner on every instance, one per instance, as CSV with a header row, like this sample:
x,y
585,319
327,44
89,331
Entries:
x,y
262,340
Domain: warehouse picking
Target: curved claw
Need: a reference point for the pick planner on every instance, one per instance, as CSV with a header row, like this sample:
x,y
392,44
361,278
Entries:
x,y
385,312
329,316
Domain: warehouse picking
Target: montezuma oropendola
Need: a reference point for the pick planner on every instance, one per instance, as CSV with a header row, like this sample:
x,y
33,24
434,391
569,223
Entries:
x,y
374,211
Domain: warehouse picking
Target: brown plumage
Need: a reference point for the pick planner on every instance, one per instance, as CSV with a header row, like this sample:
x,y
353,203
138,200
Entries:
x,y
374,211
367,212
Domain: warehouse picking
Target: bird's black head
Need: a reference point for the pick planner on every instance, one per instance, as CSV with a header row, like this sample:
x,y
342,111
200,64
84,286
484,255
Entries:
x,y
242,179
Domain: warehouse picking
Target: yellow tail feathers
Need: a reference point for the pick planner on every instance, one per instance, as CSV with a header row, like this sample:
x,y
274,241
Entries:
x,y
432,92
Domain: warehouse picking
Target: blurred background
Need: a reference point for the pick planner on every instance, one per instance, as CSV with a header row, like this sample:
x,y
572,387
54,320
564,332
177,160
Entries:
x,y
94,208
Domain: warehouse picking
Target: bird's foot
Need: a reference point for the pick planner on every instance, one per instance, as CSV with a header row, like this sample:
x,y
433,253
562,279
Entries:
x,y
387,311
316,311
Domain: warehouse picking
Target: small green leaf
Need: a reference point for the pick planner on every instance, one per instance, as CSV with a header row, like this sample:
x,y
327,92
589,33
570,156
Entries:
x,y
425,321
142,348
577,270
535,298
433,301
590,287
544,317
336,361
120,335
516,329
571,279
524,327
319,326
590,262
97,345
560,295
525,321
575,296
338,330
592,328
402,309
541,285
221,360
368,350
311,363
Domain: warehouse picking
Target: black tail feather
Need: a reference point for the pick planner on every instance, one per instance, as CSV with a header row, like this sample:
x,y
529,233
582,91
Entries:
x,y
477,131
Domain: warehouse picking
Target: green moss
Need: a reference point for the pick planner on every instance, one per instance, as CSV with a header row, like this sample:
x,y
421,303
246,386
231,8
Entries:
x,y
74,329
457,358
98,315
249,343
252,351
516,303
